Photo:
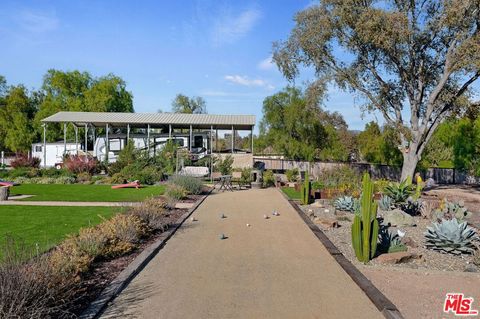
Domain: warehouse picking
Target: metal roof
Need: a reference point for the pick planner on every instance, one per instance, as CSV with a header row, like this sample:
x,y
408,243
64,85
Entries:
x,y
154,119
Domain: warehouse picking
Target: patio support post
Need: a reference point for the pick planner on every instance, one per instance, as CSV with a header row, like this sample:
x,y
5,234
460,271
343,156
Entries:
x,y
107,143
169,131
216,139
251,139
64,138
76,139
128,133
86,139
191,138
211,153
148,140
233,138
44,145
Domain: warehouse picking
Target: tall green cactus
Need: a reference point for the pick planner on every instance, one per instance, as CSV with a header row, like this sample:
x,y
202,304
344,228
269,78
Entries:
x,y
365,225
305,190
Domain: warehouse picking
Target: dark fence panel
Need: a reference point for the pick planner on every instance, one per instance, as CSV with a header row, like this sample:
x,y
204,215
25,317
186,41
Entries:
x,y
439,175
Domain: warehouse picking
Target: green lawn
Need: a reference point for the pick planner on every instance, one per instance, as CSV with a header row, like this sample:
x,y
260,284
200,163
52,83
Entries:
x,y
47,225
85,193
291,192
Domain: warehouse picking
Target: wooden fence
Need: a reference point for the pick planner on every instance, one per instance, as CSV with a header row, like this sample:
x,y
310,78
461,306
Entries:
x,y
439,175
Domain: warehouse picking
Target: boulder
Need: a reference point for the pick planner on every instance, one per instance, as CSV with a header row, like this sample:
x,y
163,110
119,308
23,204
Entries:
x,y
397,218
326,222
397,257
409,242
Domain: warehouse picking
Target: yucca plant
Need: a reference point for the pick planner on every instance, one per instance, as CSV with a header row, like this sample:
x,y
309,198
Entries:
x,y
451,237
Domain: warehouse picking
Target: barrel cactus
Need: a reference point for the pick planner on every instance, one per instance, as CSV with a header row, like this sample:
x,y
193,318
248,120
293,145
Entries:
x,y
345,203
451,237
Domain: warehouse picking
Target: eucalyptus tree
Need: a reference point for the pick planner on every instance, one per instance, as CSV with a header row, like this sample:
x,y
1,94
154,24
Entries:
x,y
413,61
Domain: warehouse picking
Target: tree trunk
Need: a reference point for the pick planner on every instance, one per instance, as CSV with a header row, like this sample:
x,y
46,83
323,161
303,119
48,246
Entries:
x,y
4,192
410,161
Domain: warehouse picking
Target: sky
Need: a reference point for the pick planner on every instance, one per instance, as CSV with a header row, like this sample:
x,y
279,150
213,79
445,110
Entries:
x,y
219,50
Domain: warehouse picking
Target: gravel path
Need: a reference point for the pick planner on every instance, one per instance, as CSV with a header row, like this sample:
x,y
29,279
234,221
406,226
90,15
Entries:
x,y
276,268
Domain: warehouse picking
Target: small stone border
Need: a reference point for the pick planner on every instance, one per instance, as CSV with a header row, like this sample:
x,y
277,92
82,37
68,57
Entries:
x,y
96,308
383,304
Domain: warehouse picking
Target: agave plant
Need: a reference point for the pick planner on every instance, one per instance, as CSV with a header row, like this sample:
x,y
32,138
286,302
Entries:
x,y
399,192
389,242
451,237
385,203
345,203
411,206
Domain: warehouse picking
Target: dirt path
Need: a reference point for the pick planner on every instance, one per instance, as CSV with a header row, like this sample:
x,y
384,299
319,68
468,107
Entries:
x,y
276,268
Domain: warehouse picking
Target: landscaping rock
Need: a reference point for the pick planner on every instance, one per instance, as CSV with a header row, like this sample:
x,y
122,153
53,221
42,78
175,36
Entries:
x,y
409,242
4,191
470,268
398,218
326,222
397,258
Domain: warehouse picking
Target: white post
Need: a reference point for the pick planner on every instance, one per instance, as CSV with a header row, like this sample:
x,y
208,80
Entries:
x,y
64,138
216,140
44,145
86,139
251,140
233,139
76,139
107,143
128,133
211,139
3,159
170,131
191,138
148,140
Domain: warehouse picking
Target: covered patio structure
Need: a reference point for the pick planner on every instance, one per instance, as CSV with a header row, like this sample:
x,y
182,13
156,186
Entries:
x,y
160,123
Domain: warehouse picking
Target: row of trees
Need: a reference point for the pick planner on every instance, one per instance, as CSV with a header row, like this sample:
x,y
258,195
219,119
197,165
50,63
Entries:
x,y
21,110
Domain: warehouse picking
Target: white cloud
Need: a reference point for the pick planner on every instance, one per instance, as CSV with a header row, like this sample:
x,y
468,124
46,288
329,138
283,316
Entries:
x,y
229,29
246,81
266,64
37,22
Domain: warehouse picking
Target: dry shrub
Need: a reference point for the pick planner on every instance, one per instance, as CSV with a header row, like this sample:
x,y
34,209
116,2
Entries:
x,y
84,177
31,289
153,213
123,232
81,164
427,209
24,160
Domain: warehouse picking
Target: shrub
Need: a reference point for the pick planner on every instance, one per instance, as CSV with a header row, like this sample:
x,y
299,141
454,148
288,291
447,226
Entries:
x,y
23,160
342,176
64,180
246,177
191,184
149,175
175,192
53,172
123,232
80,164
22,180
224,166
84,177
152,211
24,172
292,174
33,289
268,178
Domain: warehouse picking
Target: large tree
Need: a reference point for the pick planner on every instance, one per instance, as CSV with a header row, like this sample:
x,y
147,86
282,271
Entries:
x,y
79,91
184,104
414,59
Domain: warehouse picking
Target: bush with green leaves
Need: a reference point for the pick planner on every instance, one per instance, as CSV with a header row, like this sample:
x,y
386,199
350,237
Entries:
x,y
292,175
268,178
191,184
175,192
224,166
340,176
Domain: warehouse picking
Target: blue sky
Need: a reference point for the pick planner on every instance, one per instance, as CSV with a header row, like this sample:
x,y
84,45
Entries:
x,y
219,50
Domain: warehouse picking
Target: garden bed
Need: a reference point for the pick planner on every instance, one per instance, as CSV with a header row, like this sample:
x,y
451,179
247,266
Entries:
x,y
430,260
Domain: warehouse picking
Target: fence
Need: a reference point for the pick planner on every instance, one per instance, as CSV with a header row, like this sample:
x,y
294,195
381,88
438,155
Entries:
x,y
439,175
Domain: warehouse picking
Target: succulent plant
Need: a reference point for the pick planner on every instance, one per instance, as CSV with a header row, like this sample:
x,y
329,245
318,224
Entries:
x,y
450,210
399,192
345,203
451,237
411,206
385,203
390,243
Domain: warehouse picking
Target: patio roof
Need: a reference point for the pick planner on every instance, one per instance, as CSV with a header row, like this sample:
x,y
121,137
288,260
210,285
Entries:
x,y
155,120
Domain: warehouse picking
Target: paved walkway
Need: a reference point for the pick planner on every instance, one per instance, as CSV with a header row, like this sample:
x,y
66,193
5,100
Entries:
x,y
276,268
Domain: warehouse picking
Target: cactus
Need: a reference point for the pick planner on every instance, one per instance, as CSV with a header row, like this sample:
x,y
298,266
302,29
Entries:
x,y
449,210
305,191
365,225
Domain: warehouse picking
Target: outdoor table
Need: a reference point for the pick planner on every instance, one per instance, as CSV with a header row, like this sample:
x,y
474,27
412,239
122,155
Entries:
x,y
226,183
